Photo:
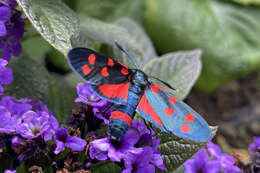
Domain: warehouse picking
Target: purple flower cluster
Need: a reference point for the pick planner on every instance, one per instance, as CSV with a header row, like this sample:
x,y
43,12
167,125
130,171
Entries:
x,y
26,120
5,75
211,161
133,149
11,29
254,146
101,108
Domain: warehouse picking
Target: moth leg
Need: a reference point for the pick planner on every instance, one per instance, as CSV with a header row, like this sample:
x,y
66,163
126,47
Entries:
x,y
148,125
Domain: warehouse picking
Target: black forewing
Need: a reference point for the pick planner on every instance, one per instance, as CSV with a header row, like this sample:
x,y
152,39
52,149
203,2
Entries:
x,y
114,74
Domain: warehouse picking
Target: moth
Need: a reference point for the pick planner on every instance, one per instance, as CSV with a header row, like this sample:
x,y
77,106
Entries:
x,y
131,90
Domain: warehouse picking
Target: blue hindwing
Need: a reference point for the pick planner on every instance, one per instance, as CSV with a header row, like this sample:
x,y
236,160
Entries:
x,y
177,117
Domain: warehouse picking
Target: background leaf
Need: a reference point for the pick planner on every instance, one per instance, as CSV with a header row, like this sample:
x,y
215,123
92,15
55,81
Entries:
x,y
141,38
225,32
133,41
57,23
109,10
36,47
105,167
179,69
32,80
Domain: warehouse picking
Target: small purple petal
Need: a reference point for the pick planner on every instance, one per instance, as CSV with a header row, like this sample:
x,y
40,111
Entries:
x,y
7,122
60,146
1,90
10,171
5,13
254,146
214,150
87,96
16,106
17,141
212,167
2,29
99,148
75,143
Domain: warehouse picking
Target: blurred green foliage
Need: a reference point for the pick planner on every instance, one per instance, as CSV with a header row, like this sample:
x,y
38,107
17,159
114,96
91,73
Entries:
x,y
226,32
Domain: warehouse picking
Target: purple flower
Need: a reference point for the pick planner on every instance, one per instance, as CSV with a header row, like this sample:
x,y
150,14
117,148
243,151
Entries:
x,y
5,14
156,157
254,146
10,171
139,161
201,163
87,96
99,149
9,3
64,140
7,122
214,150
33,125
17,141
117,150
101,108
16,107
5,73
227,162
12,31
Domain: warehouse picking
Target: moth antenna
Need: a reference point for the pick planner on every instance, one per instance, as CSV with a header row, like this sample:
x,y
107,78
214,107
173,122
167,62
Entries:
x,y
128,54
165,83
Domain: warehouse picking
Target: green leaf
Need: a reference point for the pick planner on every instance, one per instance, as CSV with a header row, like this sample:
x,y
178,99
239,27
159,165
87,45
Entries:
x,y
57,23
21,168
36,47
133,40
60,99
141,40
175,151
179,170
105,167
226,33
109,10
179,69
247,2
57,60
32,80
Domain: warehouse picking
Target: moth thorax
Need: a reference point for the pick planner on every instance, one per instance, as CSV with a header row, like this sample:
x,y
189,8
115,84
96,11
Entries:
x,y
139,78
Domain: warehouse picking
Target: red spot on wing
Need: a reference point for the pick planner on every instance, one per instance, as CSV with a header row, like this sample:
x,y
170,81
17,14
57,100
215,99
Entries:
x,y
169,111
85,69
145,106
124,71
92,59
185,128
104,72
159,86
121,116
114,90
123,65
189,118
173,100
110,62
154,89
